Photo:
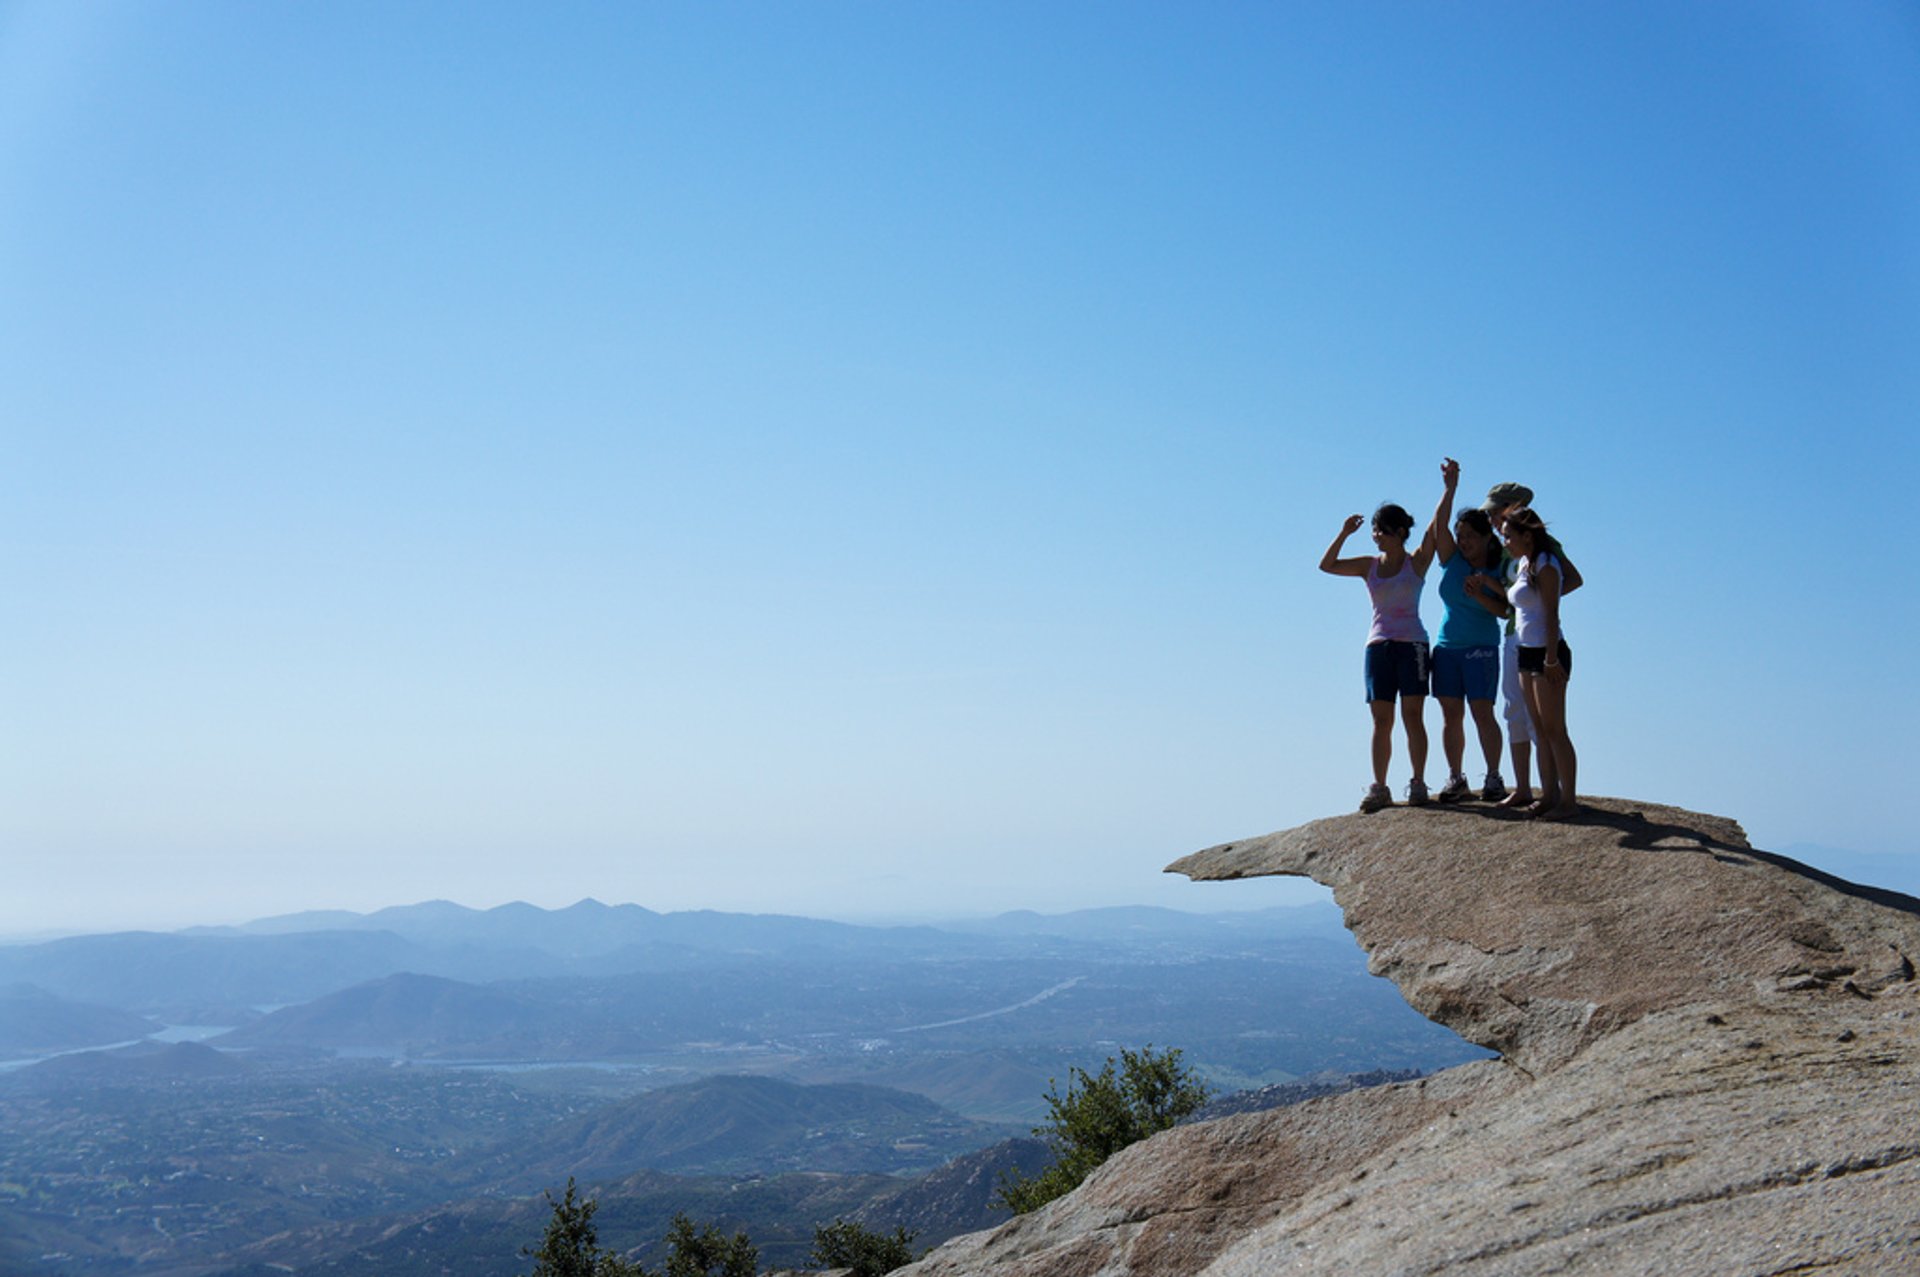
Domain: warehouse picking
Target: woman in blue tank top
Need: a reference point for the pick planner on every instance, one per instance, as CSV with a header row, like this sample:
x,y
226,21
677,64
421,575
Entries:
x,y
1466,659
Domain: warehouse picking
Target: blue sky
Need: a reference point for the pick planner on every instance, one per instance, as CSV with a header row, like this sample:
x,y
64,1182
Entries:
x,y
870,460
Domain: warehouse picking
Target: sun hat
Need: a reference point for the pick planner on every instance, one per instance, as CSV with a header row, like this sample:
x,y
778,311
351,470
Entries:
x,y
1502,495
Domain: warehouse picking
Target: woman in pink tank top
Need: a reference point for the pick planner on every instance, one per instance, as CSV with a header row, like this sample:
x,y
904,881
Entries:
x,y
1397,649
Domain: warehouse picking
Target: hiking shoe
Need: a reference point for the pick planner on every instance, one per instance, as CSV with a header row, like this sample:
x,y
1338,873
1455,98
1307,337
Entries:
x,y
1416,793
1454,790
1496,789
1377,796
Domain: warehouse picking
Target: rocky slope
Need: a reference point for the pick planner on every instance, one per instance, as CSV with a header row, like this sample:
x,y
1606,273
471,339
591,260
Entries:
x,y
1710,1063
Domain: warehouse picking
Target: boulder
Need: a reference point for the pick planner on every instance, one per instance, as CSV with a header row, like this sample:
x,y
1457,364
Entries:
x,y
1710,1062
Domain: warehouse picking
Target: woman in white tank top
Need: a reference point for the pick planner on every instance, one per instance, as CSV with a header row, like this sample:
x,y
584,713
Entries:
x,y
1546,661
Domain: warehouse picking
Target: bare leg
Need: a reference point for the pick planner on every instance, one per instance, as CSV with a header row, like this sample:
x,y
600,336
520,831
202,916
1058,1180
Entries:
x,y
1522,794
1413,714
1382,739
1556,744
1453,732
1549,797
1489,728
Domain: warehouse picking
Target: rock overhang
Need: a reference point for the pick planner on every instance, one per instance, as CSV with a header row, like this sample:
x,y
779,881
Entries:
x,y
1710,1059
1534,938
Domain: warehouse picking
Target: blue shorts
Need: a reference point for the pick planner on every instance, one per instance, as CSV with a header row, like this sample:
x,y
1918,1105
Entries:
x,y
1466,673
1396,668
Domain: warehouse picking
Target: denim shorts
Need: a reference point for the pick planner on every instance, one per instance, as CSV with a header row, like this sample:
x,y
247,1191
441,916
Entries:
x,y
1396,668
1533,660
1467,673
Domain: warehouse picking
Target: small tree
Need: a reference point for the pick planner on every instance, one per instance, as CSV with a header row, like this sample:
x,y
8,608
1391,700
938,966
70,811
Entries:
x,y
1101,1114
706,1253
571,1247
845,1244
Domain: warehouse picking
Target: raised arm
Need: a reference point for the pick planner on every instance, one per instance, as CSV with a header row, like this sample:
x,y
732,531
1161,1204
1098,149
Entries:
x,y
1332,562
1440,531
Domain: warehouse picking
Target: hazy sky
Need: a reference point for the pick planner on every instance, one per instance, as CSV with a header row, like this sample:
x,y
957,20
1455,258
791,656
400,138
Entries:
x,y
871,459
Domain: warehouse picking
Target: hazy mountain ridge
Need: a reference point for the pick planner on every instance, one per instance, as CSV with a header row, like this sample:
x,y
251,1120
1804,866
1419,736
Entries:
x,y
152,971
301,957
142,1061
34,1021
403,1011
865,1015
739,1125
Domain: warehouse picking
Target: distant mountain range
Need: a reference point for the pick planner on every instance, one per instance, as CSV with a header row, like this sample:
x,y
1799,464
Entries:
x,y
185,978
409,1014
225,974
141,1062
629,933
634,937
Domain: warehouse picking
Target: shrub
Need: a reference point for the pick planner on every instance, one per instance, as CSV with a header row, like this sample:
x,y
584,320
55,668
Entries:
x,y
1101,1114
571,1247
845,1244
707,1253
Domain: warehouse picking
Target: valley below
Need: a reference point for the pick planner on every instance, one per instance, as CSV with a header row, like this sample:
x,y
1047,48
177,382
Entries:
x,y
392,1097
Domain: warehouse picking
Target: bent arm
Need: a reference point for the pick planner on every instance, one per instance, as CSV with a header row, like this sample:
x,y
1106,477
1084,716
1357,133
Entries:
x,y
1423,556
1574,579
1547,582
1332,563
1484,591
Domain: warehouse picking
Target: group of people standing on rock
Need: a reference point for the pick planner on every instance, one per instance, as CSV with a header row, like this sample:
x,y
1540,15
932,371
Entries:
x,y
1499,568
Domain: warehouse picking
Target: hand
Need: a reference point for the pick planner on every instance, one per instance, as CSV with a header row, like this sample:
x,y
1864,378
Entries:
x,y
1489,595
1450,473
1352,525
1556,671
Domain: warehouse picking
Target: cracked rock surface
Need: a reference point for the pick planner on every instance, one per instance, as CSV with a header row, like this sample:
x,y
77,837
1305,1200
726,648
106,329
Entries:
x,y
1711,1064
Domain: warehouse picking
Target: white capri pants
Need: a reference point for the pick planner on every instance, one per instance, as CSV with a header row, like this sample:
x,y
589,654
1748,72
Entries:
x,y
1513,701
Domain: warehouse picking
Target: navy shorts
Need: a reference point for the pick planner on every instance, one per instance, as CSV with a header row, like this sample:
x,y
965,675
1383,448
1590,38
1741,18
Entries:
x,y
1396,668
1533,660
1466,673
